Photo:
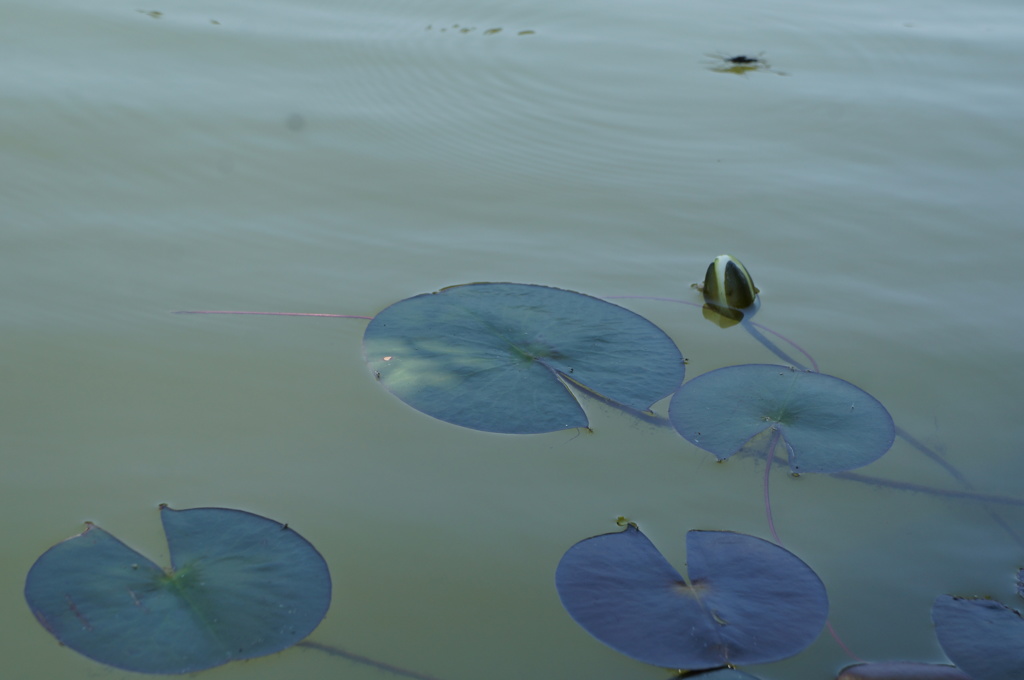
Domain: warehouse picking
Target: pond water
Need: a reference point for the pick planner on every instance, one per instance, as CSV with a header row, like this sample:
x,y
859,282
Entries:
x,y
336,157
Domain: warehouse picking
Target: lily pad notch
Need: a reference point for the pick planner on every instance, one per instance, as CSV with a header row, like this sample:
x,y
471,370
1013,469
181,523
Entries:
x,y
240,586
746,600
501,357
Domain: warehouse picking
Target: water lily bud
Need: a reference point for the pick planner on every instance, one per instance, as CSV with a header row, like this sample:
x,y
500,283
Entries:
x,y
728,285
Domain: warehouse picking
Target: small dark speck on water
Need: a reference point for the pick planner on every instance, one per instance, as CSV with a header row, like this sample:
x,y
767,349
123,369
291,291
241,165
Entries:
x,y
741,64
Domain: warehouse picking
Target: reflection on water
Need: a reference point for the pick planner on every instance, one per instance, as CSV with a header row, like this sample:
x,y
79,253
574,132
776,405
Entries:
x,y
741,64
473,29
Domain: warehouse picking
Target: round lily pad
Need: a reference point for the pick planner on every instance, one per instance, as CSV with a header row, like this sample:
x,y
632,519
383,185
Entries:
x,y
240,586
984,638
499,357
747,601
827,424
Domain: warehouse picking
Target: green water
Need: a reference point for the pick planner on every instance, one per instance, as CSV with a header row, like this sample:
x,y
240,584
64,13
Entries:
x,y
337,157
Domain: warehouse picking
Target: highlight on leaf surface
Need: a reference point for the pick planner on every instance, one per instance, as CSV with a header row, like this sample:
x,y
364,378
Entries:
x,y
239,586
745,601
500,357
825,423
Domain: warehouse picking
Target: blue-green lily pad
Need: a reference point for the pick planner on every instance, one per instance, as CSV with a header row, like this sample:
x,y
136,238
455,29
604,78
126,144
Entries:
x,y
901,670
498,356
722,674
982,637
827,424
240,586
747,601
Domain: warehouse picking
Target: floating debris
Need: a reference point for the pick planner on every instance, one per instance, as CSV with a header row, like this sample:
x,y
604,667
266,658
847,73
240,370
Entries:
x,y
740,64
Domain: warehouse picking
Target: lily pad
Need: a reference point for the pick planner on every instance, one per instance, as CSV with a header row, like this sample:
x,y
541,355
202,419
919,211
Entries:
x,y
499,357
240,586
901,670
827,424
747,601
722,674
982,637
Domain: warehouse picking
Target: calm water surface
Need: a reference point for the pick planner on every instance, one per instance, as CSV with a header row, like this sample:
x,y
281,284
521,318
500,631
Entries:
x,y
340,156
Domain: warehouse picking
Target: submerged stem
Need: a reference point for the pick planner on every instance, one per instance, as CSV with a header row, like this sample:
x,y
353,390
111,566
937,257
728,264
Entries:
x,y
754,329
776,435
365,660
767,474
921,488
839,641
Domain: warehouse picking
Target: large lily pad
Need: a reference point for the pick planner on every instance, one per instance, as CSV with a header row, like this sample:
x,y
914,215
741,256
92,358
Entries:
x,y
747,601
240,586
827,424
982,637
498,356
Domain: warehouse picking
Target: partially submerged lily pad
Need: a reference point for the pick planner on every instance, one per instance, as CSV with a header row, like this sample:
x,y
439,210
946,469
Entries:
x,y
827,424
722,674
498,356
901,670
747,601
240,586
984,638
